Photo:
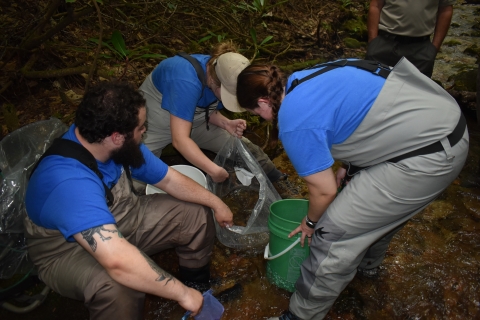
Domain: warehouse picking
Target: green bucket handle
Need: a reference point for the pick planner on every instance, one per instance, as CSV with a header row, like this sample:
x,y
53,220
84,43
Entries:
x,y
266,254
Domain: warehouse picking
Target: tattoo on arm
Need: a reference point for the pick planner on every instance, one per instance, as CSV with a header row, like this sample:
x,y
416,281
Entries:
x,y
162,274
88,236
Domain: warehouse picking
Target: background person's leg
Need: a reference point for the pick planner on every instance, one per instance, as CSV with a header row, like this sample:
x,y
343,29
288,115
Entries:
x,y
383,49
421,54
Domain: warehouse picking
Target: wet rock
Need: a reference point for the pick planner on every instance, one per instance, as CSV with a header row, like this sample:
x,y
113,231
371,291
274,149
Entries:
x,y
465,80
352,43
451,43
356,28
473,50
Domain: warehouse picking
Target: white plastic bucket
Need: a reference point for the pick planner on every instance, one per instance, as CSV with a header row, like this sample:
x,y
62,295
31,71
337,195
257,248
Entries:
x,y
191,172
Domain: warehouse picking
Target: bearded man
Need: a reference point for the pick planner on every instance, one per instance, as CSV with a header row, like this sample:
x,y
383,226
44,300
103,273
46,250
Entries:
x,y
90,236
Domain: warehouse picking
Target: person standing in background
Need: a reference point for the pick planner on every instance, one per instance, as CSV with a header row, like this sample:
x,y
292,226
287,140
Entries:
x,y
402,28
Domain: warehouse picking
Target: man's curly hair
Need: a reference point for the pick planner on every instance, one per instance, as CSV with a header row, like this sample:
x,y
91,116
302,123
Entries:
x,y
107,108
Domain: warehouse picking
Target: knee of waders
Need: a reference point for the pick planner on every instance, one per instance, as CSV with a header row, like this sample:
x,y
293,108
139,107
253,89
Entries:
x,y
114,300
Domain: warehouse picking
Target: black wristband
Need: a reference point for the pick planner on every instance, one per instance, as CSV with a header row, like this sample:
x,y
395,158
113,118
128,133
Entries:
x,y
310,223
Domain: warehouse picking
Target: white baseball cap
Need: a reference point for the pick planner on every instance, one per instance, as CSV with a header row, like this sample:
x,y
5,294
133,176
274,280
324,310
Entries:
x,y
227,67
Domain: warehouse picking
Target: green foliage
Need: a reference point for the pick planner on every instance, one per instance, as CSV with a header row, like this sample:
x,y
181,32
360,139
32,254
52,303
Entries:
x,y
253,34
116,44
258,6
219,37
346,3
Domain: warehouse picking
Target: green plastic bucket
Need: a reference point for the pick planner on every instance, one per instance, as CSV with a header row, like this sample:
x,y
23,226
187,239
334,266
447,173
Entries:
x,y
285,255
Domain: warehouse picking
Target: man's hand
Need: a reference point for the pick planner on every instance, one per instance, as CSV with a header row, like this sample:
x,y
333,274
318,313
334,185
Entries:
x,y
236,127
192,301
224,216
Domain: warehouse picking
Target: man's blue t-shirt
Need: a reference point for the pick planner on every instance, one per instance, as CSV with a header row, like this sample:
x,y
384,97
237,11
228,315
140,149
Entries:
x,y
323,111
63,194
176,79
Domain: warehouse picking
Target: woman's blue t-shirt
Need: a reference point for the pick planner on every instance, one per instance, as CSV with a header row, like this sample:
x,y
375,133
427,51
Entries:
x,y
323,111
176,79
65,195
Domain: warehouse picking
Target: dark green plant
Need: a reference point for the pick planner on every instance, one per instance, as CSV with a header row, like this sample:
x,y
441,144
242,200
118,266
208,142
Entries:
x,y
116,44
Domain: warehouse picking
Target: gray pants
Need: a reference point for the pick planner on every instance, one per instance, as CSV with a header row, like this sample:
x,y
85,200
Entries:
x,y
386,49
355,230
159,133
151,223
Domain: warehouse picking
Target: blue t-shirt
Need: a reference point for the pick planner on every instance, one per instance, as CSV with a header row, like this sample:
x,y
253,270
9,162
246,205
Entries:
x,y
176,79
63,194
323,111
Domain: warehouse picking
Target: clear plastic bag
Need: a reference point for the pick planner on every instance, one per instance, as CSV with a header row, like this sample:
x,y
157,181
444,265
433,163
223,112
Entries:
x,y
248,193
18,153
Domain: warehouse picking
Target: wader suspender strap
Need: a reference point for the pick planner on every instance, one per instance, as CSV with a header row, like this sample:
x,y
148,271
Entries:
x,y
70,149
201,77
367,65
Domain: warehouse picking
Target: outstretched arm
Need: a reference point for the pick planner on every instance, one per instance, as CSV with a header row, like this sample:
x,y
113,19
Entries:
x,y
132,268
374,18
444,17
184,188
322,189
189,149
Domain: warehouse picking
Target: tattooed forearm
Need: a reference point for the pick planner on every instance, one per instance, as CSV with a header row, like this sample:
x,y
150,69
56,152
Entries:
x,y
88,236
162,274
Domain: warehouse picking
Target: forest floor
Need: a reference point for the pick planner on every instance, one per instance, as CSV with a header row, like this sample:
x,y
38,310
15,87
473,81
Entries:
x,y
44,69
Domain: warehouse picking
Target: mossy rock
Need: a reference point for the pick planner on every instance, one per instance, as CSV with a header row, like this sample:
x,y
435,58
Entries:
x,y
356,28
454,25
465,80
452,43
473,51
352,43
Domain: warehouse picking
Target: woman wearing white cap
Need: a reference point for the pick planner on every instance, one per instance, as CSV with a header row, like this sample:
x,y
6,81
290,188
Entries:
x,y
184,112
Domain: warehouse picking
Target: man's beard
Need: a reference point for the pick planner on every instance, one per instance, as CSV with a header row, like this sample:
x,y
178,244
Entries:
x,y
129,154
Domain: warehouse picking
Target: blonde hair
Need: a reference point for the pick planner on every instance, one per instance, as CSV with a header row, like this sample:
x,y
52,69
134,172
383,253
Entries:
x,y
217,51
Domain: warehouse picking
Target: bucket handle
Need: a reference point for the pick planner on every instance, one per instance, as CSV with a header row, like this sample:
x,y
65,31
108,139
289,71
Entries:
x,y
266,254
